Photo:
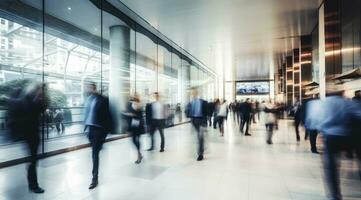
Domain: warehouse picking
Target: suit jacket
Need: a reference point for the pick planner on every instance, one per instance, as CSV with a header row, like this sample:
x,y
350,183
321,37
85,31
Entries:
x,y
205,111
149,112
210,108
246,109
98,110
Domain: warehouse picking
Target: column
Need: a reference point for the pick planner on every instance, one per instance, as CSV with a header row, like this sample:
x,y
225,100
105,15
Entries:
x,y
119,82
321,50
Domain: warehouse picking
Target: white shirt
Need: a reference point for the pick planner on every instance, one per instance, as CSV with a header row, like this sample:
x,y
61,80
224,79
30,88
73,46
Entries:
x,y
158,110
222,110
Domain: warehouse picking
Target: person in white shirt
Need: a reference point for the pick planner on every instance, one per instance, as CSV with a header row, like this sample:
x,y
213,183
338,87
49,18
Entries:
x,y
222,114
270,119
155,117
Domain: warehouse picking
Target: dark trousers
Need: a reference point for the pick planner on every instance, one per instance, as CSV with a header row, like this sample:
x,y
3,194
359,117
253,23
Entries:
x,y
215,120
157,124
313,138
245,121
297,124
96,138
221,124
136,139
33,145
60,127
269,129
334,145
209,117
197,124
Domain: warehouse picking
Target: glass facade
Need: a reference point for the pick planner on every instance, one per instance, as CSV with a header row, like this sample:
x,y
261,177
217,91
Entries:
x,y
66,44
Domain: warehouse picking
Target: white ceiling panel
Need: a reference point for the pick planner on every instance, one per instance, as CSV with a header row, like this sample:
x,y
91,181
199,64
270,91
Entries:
x,y
227,34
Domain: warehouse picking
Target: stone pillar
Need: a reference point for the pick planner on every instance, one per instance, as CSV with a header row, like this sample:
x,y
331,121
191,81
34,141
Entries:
x,y
119,73
321,50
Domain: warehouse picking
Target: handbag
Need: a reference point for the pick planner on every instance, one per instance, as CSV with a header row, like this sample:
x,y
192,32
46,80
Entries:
x,y
135,123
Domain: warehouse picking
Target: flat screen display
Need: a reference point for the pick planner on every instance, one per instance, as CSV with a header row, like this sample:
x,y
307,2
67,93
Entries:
x,y
245,88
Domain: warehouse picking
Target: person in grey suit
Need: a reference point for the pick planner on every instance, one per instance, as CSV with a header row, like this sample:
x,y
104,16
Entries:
x,y
98,122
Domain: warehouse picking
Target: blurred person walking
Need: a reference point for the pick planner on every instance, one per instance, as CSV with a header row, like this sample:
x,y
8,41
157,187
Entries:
x,y
337,119
24,111
258,110
215,113
222,115
238,111
211,107
309,107
59,121
297,117
254,111
197,111
233,109
134,116
245,110
155,118
270,119
98,123
178,111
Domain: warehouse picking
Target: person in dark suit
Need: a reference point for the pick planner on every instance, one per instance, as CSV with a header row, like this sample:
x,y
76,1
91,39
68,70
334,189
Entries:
x,y
215,112
155,118
197,111
297,118
210,113
98,123
238,111
245,109
25,124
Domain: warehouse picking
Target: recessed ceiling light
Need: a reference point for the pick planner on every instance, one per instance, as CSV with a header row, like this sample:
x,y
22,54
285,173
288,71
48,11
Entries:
x,y
69,8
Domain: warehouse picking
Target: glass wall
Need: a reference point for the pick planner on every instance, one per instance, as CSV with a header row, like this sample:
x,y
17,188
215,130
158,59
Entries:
x,y
351,34
315,55
67,44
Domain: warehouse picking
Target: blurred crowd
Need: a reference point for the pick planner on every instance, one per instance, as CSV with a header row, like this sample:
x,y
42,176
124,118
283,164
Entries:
x,y
335,117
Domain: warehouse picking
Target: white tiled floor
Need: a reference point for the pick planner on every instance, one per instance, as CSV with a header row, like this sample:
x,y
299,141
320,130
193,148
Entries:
x,y
236,167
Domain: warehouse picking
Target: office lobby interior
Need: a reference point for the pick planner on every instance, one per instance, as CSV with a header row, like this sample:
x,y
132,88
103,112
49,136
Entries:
x,y
275,56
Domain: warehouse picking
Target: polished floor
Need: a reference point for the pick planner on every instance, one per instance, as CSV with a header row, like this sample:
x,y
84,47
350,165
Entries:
x,y
236,167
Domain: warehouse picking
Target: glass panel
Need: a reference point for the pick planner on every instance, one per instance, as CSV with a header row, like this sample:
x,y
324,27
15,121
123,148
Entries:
x,y
165,79
21,64
72,58
179,87
186,82
315,58
146,76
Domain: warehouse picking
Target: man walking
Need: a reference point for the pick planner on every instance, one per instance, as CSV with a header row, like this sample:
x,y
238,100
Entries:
x,y
197,111
155,117
245,110
98,122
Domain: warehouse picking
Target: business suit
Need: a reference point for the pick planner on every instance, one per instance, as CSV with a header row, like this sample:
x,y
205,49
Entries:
x,y
23,121
156,122
197,111
210,113
98,122
245,110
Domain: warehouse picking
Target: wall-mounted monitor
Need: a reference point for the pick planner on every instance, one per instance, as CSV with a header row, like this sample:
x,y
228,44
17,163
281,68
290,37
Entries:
x,y
258,87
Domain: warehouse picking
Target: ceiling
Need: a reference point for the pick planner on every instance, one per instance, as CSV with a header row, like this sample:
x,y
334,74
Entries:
x,y
240,38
